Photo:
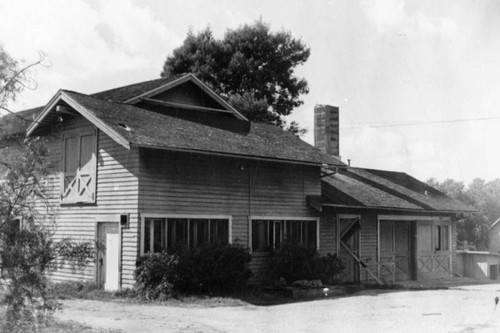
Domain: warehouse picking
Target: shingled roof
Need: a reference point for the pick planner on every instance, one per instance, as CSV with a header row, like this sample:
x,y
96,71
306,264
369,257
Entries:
x,y
131,125
381,189
125,93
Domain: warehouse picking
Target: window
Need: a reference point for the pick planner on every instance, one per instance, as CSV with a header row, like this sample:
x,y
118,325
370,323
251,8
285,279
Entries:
x,y
441,238
161,234
78,183
270,234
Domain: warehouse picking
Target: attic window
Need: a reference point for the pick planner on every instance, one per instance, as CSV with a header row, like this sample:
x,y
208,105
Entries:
x,y
125,127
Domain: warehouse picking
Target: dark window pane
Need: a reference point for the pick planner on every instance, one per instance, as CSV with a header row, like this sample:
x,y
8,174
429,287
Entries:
x,y
277,234
293,231
177,233
158,235
198,232
219,231
260,235
310,233
147,233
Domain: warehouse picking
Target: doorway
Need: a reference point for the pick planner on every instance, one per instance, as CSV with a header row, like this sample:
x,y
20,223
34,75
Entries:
x,y
348,246
395,244
108,249
433,250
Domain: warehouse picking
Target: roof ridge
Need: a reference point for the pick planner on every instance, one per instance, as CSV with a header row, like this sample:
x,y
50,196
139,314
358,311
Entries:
x,y
172,77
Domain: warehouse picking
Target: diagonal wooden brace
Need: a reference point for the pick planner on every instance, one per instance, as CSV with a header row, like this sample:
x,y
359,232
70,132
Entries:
x,y
361,262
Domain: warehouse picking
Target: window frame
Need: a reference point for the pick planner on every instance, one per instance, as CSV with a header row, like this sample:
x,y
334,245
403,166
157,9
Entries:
x,y
189,217
78,135
281,219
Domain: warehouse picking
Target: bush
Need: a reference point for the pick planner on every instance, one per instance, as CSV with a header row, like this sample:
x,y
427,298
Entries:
x,y
210,268
299,262
327,268
157,275
213,267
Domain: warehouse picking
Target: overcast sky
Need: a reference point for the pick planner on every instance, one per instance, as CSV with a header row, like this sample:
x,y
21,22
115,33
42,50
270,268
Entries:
x,y
417,82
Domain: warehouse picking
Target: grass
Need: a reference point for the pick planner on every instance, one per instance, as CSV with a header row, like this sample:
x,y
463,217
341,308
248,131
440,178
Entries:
x,y
88,290
57,326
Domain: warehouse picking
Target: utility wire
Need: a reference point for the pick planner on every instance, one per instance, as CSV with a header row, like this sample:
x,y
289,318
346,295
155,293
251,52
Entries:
x,y
412,123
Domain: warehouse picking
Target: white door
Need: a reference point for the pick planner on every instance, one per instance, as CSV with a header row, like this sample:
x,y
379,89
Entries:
x,y
108,273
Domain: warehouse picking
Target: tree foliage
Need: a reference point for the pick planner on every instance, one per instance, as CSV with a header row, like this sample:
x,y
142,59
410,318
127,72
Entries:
x,y
27,219
251,66
484,197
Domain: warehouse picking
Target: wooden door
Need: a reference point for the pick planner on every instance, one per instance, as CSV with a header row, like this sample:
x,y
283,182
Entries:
x,y
433,249
349,235
394,251
108,256
402,246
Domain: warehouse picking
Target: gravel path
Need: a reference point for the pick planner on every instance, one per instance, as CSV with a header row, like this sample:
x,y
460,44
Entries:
x,y
464,309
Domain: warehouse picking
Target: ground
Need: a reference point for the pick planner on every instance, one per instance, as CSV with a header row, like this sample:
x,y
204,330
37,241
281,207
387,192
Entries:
x,y
459,309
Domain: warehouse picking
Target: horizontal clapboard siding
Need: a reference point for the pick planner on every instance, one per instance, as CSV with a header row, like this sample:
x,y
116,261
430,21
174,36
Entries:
x,y
117,193
194,184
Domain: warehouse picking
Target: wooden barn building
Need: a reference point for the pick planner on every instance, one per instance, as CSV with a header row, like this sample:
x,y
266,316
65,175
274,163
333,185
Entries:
x,y
168,162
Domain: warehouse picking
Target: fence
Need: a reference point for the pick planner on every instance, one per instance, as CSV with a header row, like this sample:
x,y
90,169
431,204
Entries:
x,y
478,265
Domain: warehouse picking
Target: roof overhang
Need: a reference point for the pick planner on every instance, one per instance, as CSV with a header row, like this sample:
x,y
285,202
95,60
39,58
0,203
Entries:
x,y
317,203
188,77
62,96
215,153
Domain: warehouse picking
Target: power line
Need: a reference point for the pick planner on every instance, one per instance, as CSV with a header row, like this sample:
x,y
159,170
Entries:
x,y
412,123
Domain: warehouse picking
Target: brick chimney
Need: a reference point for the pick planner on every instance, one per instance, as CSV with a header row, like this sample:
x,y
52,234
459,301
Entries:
x,y
326,129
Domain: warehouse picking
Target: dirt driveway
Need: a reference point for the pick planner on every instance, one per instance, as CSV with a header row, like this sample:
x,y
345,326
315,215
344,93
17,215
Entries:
x,y
464,309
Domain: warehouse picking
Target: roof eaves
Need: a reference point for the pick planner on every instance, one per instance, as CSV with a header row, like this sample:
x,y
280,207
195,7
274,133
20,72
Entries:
x,y
62,95
44,113
429,211
206,152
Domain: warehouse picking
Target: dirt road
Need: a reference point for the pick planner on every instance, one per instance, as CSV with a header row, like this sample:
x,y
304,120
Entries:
x,y
468,309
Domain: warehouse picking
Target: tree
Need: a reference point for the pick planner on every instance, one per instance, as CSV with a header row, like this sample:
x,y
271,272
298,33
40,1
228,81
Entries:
x,y
27,220
252,67
481,195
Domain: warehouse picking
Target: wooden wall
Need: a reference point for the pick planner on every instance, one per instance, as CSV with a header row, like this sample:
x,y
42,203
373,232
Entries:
x,y
197,184
117,193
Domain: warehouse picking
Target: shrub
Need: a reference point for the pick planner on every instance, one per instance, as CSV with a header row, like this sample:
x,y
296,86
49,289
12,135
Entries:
x,y
299,262
157,275
213,267
209,268
327,268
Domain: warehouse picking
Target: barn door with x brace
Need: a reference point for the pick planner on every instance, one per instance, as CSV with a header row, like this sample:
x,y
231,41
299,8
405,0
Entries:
x,y
348,240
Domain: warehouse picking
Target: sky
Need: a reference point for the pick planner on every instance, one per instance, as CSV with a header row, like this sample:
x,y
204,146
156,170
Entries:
x,y
417,82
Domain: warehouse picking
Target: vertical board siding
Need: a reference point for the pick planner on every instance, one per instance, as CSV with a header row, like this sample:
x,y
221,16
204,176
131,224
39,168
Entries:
x,y
116,193
368,246
194,184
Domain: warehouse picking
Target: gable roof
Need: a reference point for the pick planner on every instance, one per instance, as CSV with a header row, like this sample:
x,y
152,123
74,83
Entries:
x,y
388,190
155,130
137,92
